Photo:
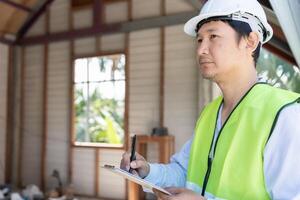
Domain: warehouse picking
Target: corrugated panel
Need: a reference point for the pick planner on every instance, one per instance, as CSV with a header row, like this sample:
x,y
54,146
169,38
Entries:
x,y
57,110
181,84
116,12
4,51
59,15
144,80
114,42
108,182
32,132
85,46
177,6
145,8
84,171
82,18
38,27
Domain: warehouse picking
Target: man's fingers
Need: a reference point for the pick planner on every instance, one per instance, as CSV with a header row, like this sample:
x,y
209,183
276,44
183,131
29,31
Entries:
x,y
138,164
125,162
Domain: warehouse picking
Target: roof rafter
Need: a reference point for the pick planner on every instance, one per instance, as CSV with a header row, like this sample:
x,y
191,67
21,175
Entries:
x,y
16,5
33,18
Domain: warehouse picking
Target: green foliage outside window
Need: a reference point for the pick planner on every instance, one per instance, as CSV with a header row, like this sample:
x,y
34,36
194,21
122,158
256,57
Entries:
x,y
99,99
278,72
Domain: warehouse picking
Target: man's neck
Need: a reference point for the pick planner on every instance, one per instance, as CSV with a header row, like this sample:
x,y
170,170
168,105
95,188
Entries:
x,y
234,90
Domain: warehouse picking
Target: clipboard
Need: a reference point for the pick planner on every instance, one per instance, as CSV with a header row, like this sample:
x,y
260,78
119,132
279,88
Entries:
x,y
134,178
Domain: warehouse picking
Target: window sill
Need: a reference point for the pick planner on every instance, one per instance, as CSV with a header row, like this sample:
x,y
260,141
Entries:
x,y
98,145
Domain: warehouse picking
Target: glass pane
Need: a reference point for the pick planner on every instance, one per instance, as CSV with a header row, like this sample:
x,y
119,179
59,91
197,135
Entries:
x,y
99,100
106,114
81,112
278,72
119,73
100,69
80,70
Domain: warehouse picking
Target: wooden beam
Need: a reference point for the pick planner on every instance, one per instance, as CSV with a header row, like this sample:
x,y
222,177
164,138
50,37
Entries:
x,y
6,41
269,46
22,113
32,19
10,96
162,68
70,35
16,5
96,183
125,27
127,89
97,13
71,99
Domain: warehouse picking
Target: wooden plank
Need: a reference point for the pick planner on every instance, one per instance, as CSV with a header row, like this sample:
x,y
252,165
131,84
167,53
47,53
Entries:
x,y
21,128
96,172
125,27
162,67
127,89
71,77
32,19
98,53
97,13
17,5
44,120
9,115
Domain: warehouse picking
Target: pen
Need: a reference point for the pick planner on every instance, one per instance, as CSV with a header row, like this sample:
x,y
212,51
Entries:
x,y
132,156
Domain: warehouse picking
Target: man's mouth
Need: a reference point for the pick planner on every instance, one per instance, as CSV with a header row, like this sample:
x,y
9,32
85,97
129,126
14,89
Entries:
x,y
205,62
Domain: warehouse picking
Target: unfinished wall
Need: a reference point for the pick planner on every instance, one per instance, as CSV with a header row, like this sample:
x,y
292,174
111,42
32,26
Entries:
x,y
32,116
4,62
58,111
144,80
183,92
181,77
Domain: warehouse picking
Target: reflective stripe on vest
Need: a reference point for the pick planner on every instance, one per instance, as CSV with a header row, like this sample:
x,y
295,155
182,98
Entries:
x,y
237,167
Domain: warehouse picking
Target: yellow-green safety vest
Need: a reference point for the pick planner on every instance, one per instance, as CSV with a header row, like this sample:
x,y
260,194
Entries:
x,y
236,170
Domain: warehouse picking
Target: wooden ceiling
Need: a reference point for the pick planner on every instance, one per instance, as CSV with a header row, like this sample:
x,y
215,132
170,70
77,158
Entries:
x,y
14,14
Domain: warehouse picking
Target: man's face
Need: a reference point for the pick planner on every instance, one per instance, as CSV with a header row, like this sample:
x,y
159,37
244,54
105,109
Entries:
x,y
219,52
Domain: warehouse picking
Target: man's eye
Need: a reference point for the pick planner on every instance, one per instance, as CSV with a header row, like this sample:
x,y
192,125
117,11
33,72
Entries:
x,y
199,40
213,36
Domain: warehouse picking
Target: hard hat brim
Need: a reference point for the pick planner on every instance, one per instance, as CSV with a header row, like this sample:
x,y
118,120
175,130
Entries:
x,y
190,26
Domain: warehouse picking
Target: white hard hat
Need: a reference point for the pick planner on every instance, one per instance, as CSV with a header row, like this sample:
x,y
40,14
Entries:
x,y
249,11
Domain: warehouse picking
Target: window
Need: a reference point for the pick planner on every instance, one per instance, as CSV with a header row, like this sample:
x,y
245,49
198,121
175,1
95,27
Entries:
x,y
278,72
99,100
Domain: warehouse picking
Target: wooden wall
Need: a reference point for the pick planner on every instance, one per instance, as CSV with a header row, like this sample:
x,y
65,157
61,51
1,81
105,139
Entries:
x,y
43,95
4,67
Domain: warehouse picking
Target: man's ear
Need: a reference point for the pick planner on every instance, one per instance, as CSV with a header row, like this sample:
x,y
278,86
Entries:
x,y
252,41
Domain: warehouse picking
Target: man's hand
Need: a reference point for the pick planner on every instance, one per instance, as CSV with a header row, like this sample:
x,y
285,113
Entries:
x,y
140,166
178,194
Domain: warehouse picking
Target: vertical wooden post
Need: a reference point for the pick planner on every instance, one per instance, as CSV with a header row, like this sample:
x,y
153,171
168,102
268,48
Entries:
x,y
22,108
96,172
71,95
10,98
162,68
45,109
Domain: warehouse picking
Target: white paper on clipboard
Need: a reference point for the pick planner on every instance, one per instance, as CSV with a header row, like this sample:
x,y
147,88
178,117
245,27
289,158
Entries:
x,y
134,178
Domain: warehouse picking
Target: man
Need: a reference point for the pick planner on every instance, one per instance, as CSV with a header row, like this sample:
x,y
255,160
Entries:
x,y
246,142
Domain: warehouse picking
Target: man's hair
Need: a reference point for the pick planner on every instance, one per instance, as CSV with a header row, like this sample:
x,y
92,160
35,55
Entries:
x,y
242,29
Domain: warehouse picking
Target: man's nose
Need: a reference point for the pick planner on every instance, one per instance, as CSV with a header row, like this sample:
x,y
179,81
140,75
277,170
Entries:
x,y
202,48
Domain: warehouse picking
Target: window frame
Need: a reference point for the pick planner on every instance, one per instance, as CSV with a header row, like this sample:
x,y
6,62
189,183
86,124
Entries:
x,y
94,145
